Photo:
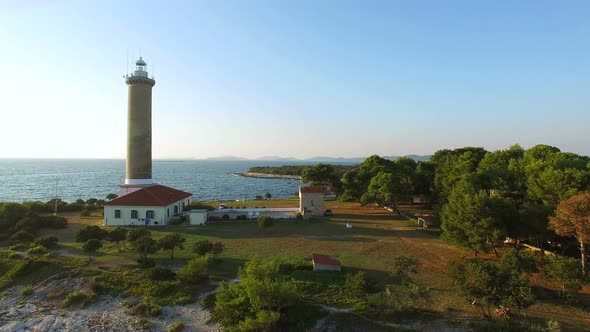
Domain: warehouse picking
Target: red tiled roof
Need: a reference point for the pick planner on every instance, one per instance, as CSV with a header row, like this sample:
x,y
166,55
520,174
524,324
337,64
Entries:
x,y
312,190
157,195
325,260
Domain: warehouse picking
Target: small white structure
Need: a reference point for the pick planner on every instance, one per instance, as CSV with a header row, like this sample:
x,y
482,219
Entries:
x,y
325,263
311,201
197,217
349,225
152,205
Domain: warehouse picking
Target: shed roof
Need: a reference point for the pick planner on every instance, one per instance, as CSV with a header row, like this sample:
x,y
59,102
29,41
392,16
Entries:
x,y
312,190
157,195
325,260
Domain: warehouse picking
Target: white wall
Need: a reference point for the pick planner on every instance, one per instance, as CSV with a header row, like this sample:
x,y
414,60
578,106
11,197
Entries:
x,y
198,218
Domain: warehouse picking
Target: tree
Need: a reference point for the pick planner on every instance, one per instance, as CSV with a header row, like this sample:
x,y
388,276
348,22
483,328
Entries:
x,y
387,189
117,235
319,175
267,196
573,220
566,272
265,222
465,220
91,246
111,196
217,248
195,270
90,232
47,241
202,247
137,233
145,246
170,242
259,302
491,284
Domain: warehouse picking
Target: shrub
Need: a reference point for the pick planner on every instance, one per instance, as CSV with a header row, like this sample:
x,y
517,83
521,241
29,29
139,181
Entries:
x,y
90,232
160,274
146,263
142,324
264,222
26,267
202,247
298,216
355,284
85,213
76,298
26,291
48,241
176,326
176,221
19,247
91,246
225,216
208,302
37,250
146,308
23,236
195,270
97,287
51,222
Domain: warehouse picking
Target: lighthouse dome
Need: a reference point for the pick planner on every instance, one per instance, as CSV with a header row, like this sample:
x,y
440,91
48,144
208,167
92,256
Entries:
x,y
140,62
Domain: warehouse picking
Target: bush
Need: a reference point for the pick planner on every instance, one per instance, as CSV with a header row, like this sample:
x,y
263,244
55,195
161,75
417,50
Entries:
x,y
90,232
225,217
92,245
26,291
76,299
50,222
23,236
160,274
196,270
19,247
298,216
85,213
26,267
97,287
146,309
142,324
37,250
176,221
146,263
176,326
48,241
355,284
264,222
208,302
202,247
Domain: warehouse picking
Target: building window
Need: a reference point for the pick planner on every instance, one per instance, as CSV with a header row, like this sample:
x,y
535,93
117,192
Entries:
x,y
149,214
133,214
183,205
175,209
117,214
168,211
312,202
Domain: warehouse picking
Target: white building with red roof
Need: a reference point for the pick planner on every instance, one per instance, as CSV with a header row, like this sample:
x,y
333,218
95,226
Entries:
x,y
153,205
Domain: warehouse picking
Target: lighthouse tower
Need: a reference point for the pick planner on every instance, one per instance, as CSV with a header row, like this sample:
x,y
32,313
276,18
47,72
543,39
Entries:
x,y
138,170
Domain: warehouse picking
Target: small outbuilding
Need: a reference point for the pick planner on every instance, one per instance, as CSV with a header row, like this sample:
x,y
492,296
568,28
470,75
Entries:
x,y
311,201
197,217
325,263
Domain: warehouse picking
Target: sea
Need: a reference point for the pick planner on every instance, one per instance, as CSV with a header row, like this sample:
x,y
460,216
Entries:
x,y
72,179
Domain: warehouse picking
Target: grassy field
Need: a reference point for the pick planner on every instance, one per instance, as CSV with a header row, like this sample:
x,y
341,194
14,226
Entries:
x,y
376,238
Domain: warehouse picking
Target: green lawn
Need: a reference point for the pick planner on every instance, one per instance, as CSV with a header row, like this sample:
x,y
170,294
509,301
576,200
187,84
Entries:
x,y
376,238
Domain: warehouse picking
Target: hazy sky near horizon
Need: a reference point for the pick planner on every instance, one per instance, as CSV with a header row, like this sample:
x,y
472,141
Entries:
x,y
295,78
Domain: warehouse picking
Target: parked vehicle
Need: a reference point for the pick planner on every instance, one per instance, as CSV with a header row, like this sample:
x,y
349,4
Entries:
x,y
328,212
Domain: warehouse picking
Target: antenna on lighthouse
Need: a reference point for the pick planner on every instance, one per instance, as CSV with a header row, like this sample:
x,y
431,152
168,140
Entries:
x,y
127,63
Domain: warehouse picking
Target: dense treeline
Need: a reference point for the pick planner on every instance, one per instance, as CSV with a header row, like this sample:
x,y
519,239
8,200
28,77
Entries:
x,y
20,223
296,170
479,197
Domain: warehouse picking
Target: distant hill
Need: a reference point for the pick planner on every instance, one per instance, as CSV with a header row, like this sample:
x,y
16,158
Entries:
x,y
226,158
274,158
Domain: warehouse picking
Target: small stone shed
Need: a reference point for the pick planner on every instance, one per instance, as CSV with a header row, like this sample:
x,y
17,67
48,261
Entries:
x,y
311,201
325,263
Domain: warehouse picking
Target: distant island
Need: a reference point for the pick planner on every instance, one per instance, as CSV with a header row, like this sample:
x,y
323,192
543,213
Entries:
x,y
332,160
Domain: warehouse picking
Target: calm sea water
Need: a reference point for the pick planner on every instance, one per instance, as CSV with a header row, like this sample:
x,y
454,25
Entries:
x,y
35,179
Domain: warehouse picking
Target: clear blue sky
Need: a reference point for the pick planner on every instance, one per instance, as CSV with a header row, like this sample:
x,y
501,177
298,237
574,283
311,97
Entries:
x,y
296,78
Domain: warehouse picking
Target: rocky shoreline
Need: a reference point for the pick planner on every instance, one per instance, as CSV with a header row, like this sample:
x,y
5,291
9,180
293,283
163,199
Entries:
x,y
268,176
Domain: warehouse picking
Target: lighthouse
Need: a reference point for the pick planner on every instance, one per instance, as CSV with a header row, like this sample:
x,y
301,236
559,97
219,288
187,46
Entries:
x,y
141,201
138,168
